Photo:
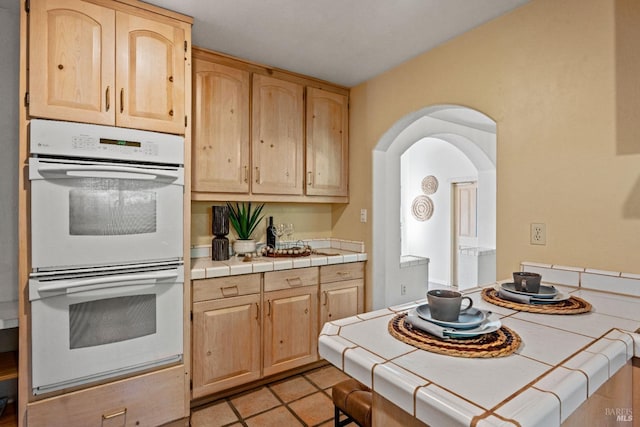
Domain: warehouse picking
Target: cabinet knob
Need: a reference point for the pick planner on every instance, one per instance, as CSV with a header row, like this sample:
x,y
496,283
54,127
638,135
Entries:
x,y
171,113
171,79
60,66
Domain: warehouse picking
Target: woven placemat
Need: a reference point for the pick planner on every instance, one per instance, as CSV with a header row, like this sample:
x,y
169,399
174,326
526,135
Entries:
x,y
500,343
573,305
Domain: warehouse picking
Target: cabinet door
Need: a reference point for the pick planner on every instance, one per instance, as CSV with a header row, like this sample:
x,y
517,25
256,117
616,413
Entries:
x,y
226,343
71,61
327,143
340,300
150,74
220,128
277,141
290,329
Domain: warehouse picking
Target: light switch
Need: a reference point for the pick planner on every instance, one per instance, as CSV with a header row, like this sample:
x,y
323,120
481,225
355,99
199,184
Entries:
x,y
363,215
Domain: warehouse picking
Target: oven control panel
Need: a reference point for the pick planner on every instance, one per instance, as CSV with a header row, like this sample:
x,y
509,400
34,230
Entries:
x,y
49,137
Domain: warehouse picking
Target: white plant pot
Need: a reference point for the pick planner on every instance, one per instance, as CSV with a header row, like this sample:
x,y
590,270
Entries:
x,y
244,246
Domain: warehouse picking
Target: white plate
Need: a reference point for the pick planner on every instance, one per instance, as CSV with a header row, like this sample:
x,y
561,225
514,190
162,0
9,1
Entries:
x,y
468,319
469,333
556,299
544,292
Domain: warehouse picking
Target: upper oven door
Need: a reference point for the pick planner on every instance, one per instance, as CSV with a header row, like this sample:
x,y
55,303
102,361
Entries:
x,y
99,213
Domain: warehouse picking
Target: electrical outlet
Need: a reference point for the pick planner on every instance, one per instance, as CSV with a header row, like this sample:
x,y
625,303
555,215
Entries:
x,y
538,234
363,215
403,289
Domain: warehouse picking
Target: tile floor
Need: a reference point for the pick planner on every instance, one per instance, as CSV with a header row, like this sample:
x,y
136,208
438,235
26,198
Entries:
x,y
300,400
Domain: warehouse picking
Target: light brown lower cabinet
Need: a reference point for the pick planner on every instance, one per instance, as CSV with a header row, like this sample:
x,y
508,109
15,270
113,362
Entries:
x,y
226,333
151,399
341,291
226,343
290,328
250,326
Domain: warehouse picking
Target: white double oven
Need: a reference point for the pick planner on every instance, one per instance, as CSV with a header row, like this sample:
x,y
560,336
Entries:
x,y
106,287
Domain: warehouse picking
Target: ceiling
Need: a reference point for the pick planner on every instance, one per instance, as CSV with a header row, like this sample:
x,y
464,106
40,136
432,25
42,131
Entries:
x,y
341,41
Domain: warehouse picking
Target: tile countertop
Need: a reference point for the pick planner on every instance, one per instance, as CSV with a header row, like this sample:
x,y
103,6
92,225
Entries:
x,y
563,359
331,251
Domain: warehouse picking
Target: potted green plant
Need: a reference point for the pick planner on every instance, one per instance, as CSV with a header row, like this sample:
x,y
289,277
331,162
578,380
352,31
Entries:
x,y
244,220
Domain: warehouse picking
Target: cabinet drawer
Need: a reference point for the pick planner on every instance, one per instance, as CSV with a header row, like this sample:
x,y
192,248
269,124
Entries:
x,y
339,272
288,279
151,399
225,287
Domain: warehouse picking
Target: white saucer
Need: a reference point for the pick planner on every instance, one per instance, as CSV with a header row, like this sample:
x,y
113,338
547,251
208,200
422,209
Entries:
x,y
543,292
468,319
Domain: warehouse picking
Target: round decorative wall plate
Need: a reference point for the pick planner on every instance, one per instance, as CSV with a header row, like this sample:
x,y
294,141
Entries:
x,y
429,184
422,208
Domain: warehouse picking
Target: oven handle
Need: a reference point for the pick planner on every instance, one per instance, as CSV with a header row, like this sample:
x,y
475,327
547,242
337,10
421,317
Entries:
x,y
113,171
132,279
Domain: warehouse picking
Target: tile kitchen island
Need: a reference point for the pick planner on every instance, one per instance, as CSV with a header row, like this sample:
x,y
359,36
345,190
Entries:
x,y
556,376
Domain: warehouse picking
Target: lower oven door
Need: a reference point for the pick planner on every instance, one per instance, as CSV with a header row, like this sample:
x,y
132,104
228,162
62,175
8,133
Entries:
x,y
92,328
86,213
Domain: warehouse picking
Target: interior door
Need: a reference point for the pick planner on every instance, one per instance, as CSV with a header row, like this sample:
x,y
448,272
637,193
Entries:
x,y
465,229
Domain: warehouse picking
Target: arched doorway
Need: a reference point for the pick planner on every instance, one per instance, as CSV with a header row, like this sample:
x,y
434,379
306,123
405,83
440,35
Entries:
x,y
459,129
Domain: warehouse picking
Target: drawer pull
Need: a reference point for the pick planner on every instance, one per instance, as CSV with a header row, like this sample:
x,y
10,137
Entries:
x,y
230,291
258,312
107,102
115,414
326,298
121,100
294,281
268,307
344,273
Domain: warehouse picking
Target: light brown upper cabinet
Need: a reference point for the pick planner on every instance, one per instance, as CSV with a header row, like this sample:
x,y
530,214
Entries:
x,y
327,143
256,135
220,128
278,138
94,64
149,74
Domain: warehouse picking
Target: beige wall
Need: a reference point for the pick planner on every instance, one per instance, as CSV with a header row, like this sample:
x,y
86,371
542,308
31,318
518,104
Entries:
x,y
546,74
309,221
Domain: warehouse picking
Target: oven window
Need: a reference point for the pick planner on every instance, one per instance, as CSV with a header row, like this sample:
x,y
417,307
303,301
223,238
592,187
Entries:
x,y
112,207
111,320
